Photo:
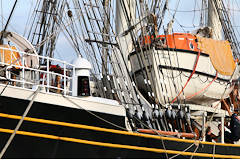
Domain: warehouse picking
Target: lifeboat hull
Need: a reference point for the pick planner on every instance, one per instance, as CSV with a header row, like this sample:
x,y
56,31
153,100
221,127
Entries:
x,y
170,71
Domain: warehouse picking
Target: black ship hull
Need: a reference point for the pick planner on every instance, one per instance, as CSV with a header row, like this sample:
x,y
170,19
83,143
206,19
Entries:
x,y
51,131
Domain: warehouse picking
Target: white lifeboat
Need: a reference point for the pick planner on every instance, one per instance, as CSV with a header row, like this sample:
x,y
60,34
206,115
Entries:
x,y
186,68
12,55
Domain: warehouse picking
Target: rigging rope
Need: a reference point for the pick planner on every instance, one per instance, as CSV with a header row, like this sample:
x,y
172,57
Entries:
x,y
147,75
194,13
214,149
182,151
203,89
142,56
19,123
29,15
194,69
104,120
9,18
2,13
178,64
5,87
197,145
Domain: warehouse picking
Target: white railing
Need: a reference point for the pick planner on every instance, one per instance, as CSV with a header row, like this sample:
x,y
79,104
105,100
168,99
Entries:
x,y
22,70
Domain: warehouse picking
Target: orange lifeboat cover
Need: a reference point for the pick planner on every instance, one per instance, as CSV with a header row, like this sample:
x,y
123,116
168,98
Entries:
x,y
8,56
220,54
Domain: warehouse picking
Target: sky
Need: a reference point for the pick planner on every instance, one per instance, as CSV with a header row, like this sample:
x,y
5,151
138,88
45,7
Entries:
x,y
185,16
20,14
19,20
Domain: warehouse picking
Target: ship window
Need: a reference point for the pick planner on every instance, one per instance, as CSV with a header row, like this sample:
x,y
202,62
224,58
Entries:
x,y
191,46
83,86
163,40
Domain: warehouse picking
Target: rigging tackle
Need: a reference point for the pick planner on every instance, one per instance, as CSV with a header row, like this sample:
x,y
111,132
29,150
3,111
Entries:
x,y
8,20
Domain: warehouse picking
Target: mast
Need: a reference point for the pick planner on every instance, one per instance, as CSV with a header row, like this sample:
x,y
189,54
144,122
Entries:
x,y
213,20
227,27
105,50
122,23
105,36
46,19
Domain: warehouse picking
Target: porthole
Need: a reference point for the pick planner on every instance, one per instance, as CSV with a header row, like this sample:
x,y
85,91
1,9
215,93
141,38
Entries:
x,y
191,46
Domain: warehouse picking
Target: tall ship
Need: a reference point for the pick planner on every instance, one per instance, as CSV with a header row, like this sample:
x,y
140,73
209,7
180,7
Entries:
x,y
141,84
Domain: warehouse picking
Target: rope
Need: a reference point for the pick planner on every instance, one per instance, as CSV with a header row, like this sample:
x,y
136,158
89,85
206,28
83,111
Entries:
x,y
113,123
194,151
2,13
5,28
6,66
94,114
197,93
111,145
215,108
182,151
214,149
29,14
222,99
164,147
4,88
189,78
19,124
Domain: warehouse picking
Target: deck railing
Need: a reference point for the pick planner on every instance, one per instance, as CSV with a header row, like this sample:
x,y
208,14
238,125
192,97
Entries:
x,y
22,69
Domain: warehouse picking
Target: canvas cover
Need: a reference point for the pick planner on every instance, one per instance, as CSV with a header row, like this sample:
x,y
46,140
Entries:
x,y
220,54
